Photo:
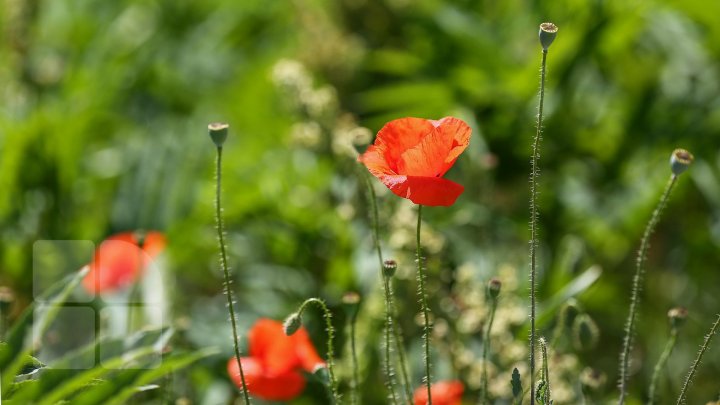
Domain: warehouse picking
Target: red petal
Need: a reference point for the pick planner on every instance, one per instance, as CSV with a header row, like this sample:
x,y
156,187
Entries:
x,y
309,358
269,345
459,132
398,136
271,387
115,265
432,191
443,393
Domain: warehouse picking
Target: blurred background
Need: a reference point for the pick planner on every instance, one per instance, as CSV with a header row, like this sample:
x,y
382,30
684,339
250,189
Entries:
x,y
103,129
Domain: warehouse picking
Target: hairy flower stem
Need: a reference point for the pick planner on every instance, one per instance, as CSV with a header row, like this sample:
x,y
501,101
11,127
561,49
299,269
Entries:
x,y
226,272
486,350
425,309
696,363
637,286
534,174
355,379
669,346
389,374
334,396
389,302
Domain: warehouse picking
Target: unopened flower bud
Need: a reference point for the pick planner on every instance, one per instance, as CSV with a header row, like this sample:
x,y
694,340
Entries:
x,y
7,297
389,268
292,323
568,312
680,160
548,32
677,317
585,332
321,373
350,301
218,133
493,288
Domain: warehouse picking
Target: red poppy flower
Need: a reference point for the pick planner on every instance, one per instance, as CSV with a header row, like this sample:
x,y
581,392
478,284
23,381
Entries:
x,y
410,156
273,370
120,261
443,393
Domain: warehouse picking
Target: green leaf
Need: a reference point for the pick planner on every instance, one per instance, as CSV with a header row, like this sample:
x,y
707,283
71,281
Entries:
x,y
516,384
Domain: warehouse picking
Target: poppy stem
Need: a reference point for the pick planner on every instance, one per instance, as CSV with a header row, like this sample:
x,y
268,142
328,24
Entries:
x,y
425,309
354,396
534,174
696,363
330,343
486,349
226,272
390,312
389,374
637,286
669,346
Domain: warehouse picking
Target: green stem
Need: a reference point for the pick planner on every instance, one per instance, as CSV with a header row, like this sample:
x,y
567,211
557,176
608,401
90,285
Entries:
x,y
226,271
330,343
534,174
390,306
486,350
696,363
425,310
637,286
390,382
669,346
399,343
356,379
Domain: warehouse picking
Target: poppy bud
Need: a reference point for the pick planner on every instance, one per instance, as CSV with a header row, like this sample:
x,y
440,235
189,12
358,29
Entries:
x,y
585,332
568,312
680,160
218,133
7,297
321,373
350,301
493,288
389,268
548,32
677,317
292,324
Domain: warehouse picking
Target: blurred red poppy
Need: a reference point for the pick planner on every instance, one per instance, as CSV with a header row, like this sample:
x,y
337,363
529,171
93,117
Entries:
x,y
410,156
120,260
443,393
273,370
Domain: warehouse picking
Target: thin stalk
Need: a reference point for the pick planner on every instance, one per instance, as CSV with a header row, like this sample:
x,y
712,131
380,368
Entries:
x,y
637,286
425,310
389,374
486,349
226,271
389,302
669,346
327,315
399,343
353,350
696,363
534,174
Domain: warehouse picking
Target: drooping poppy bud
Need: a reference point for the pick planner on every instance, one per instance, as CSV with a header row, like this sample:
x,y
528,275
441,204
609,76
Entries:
x,y
585,332
292,323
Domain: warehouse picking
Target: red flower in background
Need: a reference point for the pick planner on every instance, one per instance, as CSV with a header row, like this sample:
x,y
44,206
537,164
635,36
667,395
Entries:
x,y
443,393
410,156
120,260
272,372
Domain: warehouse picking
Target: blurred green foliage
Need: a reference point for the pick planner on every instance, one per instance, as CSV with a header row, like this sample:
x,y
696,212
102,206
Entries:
x,y
102,129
